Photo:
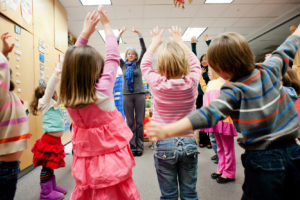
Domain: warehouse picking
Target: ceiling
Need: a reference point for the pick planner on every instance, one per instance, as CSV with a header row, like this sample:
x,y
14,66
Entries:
x,y
264,23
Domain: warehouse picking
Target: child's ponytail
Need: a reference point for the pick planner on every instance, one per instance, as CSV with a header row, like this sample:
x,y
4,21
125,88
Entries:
x,y
38,93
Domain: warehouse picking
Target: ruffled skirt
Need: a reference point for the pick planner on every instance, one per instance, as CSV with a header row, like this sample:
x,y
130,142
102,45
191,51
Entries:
x,y
48,151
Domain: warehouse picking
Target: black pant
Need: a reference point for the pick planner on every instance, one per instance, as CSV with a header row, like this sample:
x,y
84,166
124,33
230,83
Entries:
x,y
203,137
134,109
8,179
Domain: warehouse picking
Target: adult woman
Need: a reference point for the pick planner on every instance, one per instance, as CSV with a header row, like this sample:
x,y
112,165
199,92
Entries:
x,y
134,94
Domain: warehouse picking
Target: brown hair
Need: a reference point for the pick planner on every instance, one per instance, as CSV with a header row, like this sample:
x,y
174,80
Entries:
x,y
231,53
134,51
38,93
290,79
81,69
173,61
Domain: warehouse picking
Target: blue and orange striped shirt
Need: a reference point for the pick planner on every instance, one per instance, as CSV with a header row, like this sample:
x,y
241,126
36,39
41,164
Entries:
x,y
258,104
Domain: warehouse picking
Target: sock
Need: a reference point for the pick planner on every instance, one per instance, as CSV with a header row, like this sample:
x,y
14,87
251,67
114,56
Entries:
x,y
46,174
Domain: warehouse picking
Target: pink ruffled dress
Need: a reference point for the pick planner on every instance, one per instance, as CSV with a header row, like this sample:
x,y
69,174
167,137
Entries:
x,y
102,160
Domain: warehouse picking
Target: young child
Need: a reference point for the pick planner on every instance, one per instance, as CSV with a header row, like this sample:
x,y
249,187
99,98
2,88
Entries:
x,y
48,151
13,126
102,160
174,91
224,132
256,101
291,84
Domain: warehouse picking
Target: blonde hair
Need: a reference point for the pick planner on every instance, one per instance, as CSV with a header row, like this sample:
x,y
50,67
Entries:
x,y
81,69
173,61
231,53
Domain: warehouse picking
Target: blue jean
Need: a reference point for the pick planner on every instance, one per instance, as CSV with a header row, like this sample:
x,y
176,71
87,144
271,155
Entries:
x,y
213,142
272,174
8,179
176,162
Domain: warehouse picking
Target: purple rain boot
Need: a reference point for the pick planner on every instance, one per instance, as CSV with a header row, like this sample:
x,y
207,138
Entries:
x,y
47,192
58,188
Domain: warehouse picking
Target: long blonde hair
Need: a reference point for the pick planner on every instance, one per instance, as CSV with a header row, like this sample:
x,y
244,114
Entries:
x,y
81,69
173,61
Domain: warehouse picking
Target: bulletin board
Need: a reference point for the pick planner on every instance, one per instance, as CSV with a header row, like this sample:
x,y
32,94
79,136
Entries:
x,y
21,63
60,27
19,11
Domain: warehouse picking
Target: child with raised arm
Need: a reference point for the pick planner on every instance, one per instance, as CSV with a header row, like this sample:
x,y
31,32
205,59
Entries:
x,y
258,105
174,90
48,151
13,126
102,160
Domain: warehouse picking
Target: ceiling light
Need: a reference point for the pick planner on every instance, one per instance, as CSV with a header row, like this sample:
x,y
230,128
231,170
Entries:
x,y
95,2
116,33
218,1
190,32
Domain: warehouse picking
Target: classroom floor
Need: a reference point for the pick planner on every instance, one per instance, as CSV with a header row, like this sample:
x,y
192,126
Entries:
x,y
145,178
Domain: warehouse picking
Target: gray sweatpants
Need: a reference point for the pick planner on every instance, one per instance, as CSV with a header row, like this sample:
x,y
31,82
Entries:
x,y
134,109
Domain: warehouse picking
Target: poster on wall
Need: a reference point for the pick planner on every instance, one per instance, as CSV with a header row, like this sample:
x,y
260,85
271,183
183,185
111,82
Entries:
x,y
26,10
13,4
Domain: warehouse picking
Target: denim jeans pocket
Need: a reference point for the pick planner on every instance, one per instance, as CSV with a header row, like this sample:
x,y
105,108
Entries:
x,y
269,160
164,154
293,152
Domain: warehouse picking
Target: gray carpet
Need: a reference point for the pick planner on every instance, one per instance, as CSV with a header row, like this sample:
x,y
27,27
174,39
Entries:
x,y
145,178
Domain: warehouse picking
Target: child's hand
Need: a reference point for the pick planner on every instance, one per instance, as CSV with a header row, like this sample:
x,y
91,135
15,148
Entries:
x,y
90,24
155,131
58,70
156,39
7,48
104,20
194,39
175,33
206,37
297,31
123,29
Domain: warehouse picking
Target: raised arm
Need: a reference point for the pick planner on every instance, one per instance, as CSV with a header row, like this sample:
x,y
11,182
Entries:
x,y
142,44
51,86
148,72
106,80
4,68
284,55
118,40
194,45
207,39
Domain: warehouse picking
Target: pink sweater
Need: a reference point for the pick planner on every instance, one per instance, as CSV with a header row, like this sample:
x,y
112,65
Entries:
x,y
173,99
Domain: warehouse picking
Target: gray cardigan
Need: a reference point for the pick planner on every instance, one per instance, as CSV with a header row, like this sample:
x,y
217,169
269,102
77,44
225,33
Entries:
x,y
138,86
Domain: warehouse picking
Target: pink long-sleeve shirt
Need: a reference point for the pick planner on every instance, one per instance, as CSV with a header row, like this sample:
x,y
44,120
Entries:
x,y
173,99
105,85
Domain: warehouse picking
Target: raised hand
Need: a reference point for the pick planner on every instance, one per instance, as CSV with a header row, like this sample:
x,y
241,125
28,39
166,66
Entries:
x,y
156,39
7,48
135,31
104,20
57,70
123,29
175,34
206,37
90,24
194,39
297,31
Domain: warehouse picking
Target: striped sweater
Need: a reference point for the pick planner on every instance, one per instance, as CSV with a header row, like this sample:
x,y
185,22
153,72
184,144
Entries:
x,y
14,130
173,99
258,104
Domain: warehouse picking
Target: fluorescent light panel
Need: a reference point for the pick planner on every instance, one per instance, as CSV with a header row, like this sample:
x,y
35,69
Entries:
x,y
190,32
95,2
218,1
116,33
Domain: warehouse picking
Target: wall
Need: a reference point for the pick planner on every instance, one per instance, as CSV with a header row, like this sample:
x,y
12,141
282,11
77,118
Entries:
x,y
41,29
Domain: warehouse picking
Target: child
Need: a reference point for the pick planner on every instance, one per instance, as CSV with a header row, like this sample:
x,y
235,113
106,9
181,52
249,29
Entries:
x,y
257,104
291,84
102,160
13,127
48,151
224,132
174,90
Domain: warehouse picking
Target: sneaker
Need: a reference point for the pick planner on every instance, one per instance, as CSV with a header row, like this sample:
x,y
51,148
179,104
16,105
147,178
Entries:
x,y
215,175
224,179
215,157
139,153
